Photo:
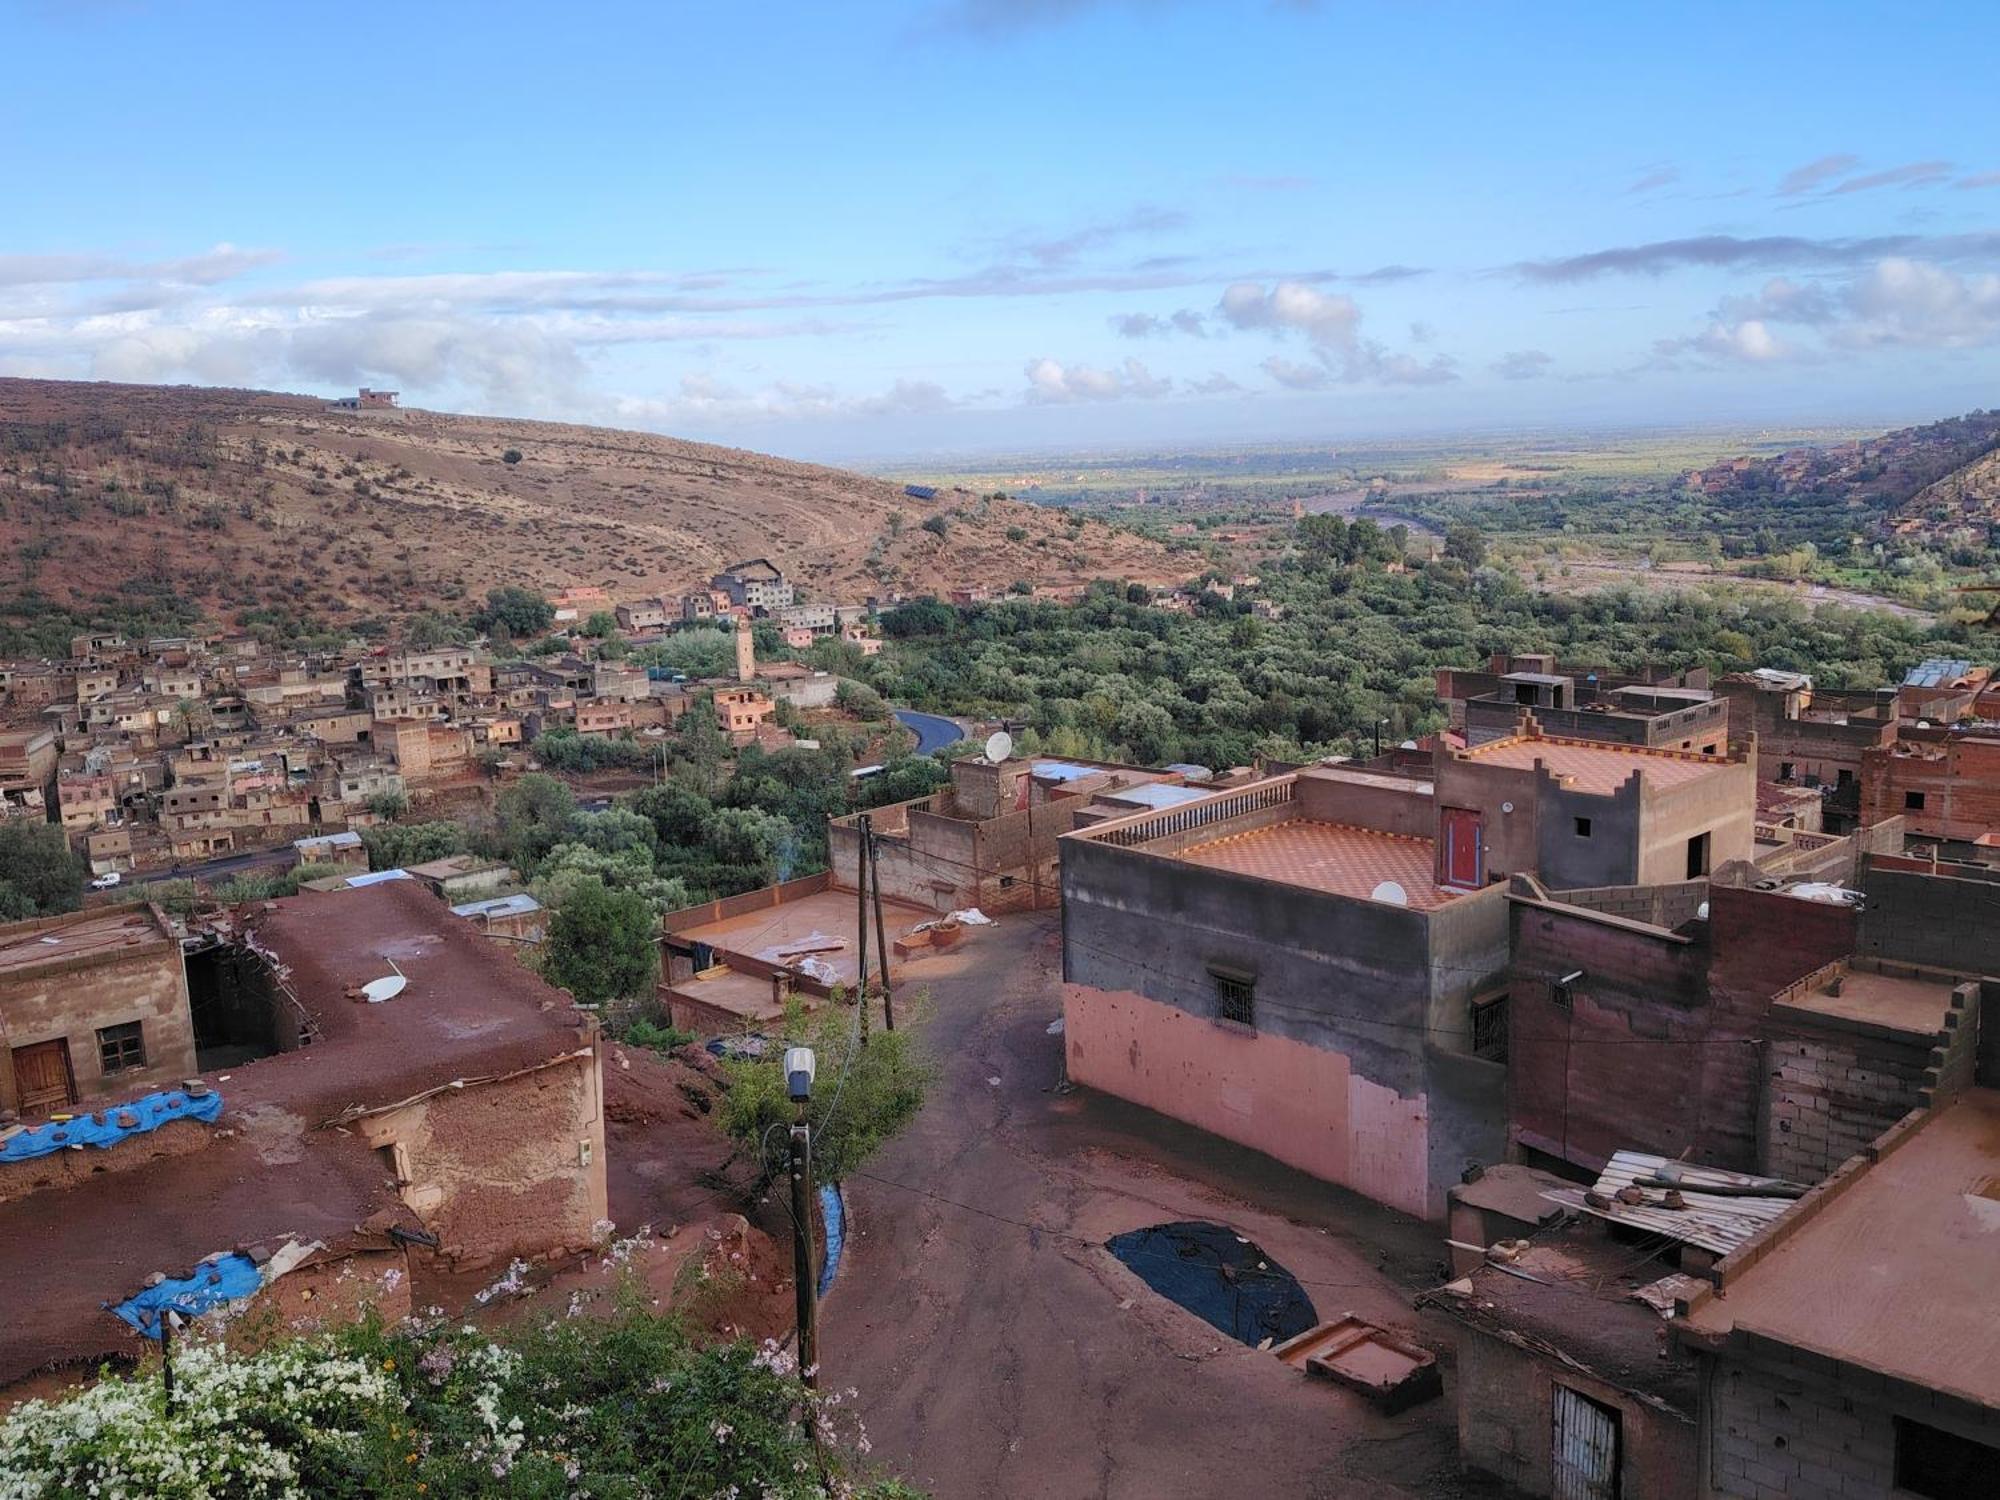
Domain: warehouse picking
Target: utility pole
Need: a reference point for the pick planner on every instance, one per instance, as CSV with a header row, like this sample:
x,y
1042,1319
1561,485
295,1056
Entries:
x,y
167,1356
881,935
863,843
799,1069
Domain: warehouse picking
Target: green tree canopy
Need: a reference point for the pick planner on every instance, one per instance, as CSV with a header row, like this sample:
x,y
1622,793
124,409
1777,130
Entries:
x,y
39,876
604,944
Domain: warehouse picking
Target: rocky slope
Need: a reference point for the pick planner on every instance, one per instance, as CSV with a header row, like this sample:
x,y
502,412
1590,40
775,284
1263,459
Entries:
x,y
238,500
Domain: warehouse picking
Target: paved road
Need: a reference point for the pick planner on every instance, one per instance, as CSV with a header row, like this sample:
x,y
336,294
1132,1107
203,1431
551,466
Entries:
x,y
223,867
1000,1351
933,731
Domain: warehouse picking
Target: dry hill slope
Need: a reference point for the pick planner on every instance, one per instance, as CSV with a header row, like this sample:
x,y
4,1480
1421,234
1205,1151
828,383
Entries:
x,y
239,499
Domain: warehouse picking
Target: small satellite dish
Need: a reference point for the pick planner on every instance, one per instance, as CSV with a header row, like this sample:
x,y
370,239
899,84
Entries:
x,y
1390,892
388,987
999,745
1923,723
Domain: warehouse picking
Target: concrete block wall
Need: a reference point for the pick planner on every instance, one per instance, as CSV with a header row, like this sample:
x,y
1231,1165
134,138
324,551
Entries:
x,y
1830,1095
1791,1424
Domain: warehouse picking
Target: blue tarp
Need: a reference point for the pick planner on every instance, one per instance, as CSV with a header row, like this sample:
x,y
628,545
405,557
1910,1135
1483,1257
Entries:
x,y
220,1279
102,1128
833,1208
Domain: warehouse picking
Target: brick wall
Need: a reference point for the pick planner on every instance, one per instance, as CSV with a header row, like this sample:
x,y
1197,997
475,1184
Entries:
x,y
1957,778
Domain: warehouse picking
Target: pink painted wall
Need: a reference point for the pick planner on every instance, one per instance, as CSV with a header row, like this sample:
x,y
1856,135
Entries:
x,y
1299,1104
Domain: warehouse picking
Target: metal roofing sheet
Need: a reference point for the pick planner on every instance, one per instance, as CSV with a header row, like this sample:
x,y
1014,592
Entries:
x,y
1710,1221
1935,670
1159,794
1062,770
516,905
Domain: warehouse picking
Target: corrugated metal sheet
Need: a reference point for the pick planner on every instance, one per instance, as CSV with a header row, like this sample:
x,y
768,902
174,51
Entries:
x,y
1709,1221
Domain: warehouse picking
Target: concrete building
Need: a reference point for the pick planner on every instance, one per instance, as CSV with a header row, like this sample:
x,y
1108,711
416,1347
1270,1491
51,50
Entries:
x,y
815,619
1943,783
462,877
93,1004
1579,813
989,839
28,760
642,614
1279,965
1853,1347
344,851
1810,738
516,918
1458,686
1654,716
740,711
1567,1384
759,585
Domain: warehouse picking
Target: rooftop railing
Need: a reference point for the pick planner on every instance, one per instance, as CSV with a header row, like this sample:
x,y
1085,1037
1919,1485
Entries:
x,y
1193,817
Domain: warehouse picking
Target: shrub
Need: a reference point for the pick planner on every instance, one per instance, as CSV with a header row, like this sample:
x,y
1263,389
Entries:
x,y
511,456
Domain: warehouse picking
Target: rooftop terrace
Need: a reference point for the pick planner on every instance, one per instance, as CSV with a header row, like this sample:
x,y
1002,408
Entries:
x,y
1595,767
1330,857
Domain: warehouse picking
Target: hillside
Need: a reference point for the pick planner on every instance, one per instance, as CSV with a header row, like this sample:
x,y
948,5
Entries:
x,y
244,500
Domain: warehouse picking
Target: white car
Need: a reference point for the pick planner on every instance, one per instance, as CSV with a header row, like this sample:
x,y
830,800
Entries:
x,y
106,882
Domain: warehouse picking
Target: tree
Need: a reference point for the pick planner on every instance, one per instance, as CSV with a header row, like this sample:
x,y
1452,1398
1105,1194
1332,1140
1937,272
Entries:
x,y
601,625
531,817
520,612
880,1087
390,805
511,456
39,876
392,846
604,944
431,628
1467,544
569,866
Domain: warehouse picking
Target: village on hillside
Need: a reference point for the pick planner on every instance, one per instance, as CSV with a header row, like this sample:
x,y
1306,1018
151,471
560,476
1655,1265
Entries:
x,y
1629,1028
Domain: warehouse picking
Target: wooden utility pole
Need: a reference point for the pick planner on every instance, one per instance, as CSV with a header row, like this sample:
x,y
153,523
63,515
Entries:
x,y
802,1254
881,935
863,843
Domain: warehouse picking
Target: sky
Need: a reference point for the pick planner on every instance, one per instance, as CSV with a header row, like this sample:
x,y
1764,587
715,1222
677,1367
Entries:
x,y
915,230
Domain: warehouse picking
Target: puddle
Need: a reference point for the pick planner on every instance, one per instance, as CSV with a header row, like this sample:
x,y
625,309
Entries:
x,y
1220,1277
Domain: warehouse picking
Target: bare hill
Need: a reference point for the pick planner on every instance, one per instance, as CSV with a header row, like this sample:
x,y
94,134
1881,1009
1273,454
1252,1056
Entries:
x,y
245,499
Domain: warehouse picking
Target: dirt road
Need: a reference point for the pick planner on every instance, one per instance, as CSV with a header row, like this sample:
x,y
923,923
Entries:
x,y
1000,1350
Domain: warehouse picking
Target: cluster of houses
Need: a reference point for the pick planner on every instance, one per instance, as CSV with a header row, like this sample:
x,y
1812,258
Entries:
x,y
162,752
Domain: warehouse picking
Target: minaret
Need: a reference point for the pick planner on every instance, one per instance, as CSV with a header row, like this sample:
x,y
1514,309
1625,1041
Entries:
x,y
746,651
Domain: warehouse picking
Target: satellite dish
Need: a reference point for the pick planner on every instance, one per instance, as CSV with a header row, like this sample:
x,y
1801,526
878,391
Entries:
x,y
999,745
388,987
1390,892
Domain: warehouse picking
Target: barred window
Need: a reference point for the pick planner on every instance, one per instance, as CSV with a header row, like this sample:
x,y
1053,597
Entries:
x,y
1489,1027
121,1047
1235,996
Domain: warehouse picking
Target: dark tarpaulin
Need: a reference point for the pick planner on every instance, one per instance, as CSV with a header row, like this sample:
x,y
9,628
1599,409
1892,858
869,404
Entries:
x,y
1220,1277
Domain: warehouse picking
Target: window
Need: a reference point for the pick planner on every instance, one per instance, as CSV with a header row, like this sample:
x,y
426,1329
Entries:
x,y
1784,770
1583,828
1235,996
1913,801
1697,856
121,1047
1708,749
1844,777
1489,1027
1941,1465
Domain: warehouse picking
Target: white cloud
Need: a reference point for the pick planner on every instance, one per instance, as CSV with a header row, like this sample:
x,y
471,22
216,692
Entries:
x,y
1051,381
1522,364
1912,302
1296,376
1816,173
1216,384
1328,320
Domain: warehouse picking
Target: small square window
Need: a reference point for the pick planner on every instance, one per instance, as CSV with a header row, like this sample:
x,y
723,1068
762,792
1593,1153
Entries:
x,y
1235,998
1583,828
1913,801
120,1048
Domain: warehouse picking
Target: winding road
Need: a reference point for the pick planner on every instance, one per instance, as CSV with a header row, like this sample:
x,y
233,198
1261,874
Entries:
x,y
933,731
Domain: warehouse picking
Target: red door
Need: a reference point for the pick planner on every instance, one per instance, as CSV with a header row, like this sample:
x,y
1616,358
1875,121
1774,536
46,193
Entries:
x,y
1464,848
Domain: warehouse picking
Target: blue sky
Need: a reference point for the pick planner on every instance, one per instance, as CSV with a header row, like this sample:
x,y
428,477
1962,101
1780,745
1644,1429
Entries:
x,y
883,229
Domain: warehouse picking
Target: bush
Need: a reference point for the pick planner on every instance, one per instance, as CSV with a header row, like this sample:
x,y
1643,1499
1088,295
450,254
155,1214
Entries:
x,y
937,525
626,1405
39,876
511,456
655,1038
604,945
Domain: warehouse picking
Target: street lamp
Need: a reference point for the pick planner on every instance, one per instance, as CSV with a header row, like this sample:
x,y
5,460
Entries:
x,y
800,1066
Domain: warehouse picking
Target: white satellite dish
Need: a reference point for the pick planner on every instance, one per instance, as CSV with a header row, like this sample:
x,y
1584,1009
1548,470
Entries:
x,y
1390,892
999,745
388,987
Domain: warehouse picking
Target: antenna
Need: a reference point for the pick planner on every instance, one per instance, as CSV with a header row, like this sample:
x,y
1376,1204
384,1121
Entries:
x,y
999,745
388,987
1390,892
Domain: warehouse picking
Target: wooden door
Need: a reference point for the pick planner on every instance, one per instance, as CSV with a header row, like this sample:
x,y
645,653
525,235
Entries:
x,y
1584,1459
1464,848
42,1077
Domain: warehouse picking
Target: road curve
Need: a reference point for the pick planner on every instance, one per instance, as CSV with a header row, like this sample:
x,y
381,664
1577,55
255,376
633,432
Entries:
x,y
933,731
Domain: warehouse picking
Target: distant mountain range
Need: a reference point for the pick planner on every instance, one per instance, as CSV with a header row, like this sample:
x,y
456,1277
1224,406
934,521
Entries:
x,y
240,499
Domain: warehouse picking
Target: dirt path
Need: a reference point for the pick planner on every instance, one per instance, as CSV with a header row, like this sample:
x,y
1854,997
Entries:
x,y
1000,1350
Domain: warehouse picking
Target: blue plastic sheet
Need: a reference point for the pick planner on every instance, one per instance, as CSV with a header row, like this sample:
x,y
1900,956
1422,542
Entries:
x,y
833,1209
219,1280
101,1129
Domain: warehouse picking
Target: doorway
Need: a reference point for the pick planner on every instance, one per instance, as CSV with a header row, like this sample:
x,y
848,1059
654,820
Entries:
x,y
1464,848
43,1079
1584,1459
